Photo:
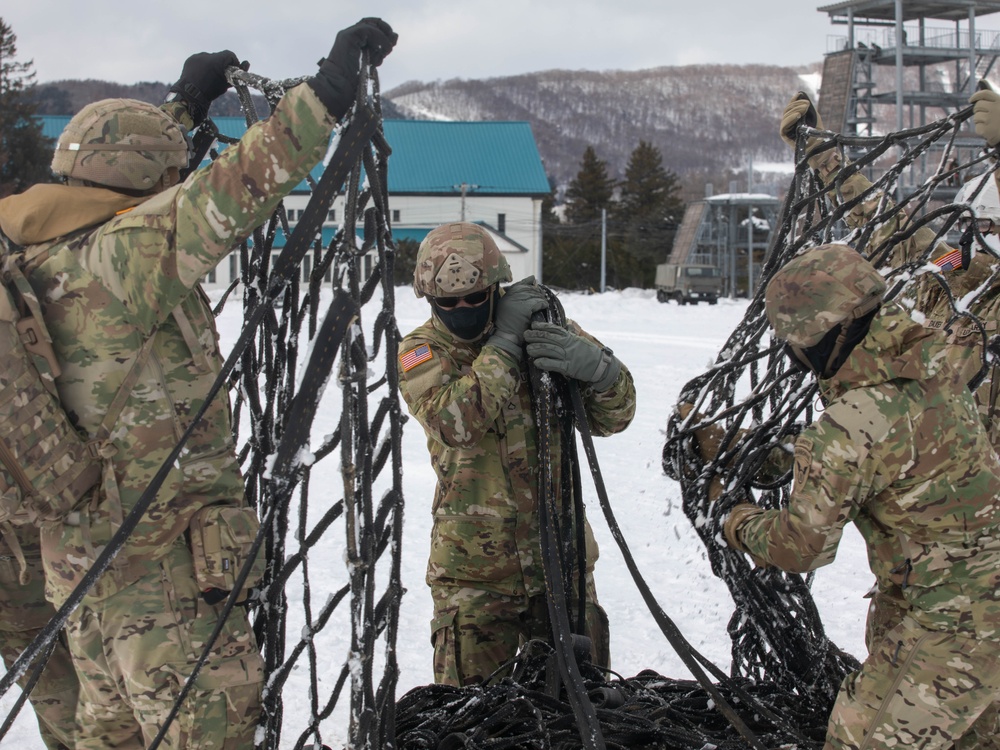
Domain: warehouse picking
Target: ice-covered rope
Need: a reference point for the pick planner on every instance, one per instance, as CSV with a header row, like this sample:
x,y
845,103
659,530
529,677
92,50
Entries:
x,y
303,605
753,399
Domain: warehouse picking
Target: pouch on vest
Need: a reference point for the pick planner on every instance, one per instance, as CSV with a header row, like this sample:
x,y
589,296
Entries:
x,y
45,465
221,538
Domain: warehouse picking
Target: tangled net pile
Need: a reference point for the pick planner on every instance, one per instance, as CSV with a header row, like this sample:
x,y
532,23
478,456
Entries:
x,y
323,637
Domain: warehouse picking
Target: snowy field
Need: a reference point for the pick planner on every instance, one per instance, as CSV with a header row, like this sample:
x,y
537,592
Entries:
x,y
664,345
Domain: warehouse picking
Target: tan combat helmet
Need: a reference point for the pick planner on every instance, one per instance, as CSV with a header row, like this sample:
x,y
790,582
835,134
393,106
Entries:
x,y
458,259
820,289
121,143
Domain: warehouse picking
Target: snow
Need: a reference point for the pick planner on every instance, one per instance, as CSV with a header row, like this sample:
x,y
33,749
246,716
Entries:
x,y
663,345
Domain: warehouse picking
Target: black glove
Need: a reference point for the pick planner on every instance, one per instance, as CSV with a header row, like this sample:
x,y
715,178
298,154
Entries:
x,y
513,314
337,81
203,80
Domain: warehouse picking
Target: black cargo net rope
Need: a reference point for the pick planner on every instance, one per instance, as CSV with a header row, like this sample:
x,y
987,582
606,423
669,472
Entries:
x,y
294,341
785,671
753,395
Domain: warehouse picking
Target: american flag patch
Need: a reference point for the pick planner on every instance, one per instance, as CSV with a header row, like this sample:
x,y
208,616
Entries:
x,y
409,360
949,261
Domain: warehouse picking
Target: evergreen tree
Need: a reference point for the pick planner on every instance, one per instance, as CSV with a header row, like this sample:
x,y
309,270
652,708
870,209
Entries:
x,y
590,191
647,214
25,154
573,253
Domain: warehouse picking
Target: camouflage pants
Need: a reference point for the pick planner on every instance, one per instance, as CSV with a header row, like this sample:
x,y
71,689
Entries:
x,y
474,632
885,612
918,688
23,613
134,650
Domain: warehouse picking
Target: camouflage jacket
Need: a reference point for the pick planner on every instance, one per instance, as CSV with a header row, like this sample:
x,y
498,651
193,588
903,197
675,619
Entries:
x,y
929,303
474,403
133,276
899,452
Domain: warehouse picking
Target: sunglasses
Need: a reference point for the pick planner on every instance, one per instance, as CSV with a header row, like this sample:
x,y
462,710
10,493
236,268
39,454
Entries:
x,y
474,300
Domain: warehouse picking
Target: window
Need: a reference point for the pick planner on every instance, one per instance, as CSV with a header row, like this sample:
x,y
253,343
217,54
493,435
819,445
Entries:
x,y
234,265
502,223
395,215
291,214
331,216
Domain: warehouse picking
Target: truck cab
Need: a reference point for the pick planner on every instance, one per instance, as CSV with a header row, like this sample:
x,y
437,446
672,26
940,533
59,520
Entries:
x,y
688,283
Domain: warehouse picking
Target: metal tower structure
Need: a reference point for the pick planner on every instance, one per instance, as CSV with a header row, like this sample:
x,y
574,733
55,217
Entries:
x,y
922,57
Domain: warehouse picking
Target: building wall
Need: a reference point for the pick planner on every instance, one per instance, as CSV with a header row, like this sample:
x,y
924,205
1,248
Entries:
x,y
518,218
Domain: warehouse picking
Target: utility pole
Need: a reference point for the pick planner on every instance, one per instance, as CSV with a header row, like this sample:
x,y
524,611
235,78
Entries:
x,y
604,245
464,188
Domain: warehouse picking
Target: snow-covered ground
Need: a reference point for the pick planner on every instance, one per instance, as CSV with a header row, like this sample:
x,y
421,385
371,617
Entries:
x,y
664,345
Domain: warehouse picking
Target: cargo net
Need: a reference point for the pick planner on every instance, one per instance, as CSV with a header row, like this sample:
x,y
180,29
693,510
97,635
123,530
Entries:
x,y
752,399
313,383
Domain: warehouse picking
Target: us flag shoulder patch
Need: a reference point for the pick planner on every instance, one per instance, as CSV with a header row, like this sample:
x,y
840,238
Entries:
x,y
949,261
412,358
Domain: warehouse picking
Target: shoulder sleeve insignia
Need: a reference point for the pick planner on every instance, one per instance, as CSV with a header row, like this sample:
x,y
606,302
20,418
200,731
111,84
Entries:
x,y
803,460
410,359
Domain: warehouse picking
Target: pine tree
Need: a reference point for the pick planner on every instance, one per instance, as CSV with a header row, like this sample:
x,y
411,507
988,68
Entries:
x,y
647,213
590,191
573,249
25,154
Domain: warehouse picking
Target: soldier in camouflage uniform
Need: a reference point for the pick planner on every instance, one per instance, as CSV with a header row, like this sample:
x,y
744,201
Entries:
x,y
24,611
898,451
936,312
464,378
116,254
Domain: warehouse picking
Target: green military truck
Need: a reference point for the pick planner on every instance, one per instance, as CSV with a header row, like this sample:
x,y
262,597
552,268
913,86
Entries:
x,y
686,283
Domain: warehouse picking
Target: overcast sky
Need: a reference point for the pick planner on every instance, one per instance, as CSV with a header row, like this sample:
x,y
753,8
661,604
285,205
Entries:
x,y
438,39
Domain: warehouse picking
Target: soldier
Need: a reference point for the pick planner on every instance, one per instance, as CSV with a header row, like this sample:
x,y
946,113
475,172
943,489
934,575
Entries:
x,y
116,253
898,451
464,377
963,340
24,611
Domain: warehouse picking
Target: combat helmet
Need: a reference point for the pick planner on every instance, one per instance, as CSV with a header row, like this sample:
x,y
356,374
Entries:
x,y
458,259
120,143
821,304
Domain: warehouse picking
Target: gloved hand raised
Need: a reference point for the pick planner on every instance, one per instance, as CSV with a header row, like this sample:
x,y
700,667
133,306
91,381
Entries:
x,y
513,314
551,347
986,114
799,111
336,82
203,80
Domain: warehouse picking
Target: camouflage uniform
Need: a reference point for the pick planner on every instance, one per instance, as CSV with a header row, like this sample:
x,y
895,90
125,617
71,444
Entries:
x,y
23,613
899,452
932,308
135,275
485,567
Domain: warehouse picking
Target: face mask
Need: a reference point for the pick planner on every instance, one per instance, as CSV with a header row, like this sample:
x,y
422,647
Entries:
x,y
467,323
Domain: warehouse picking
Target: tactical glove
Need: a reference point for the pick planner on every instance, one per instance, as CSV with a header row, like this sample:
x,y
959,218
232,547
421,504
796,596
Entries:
x,y
737,517
986,115
800,111
513,314
336,82
553,348
203,80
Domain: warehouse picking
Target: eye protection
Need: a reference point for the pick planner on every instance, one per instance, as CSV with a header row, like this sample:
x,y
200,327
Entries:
x,y
473,300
